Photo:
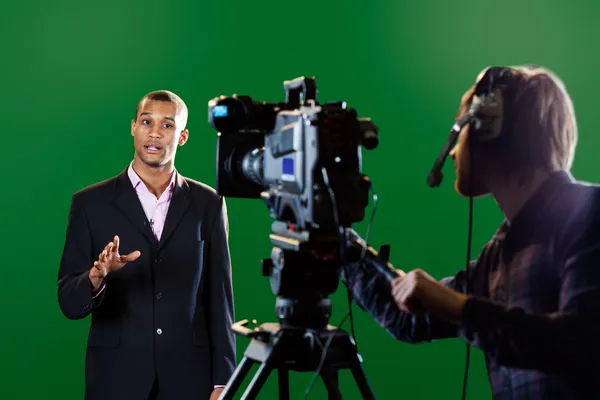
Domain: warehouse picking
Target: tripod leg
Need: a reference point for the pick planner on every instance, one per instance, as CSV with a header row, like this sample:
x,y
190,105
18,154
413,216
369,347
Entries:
x,y
257,382
284,384
330,379
236,380
361,381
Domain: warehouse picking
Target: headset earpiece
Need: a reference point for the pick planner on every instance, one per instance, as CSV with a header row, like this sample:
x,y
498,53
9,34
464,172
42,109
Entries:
x,y
487,123
488,102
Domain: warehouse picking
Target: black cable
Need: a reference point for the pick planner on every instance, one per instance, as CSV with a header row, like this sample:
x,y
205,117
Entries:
x,y
471,141
336,220
322,360
468,352
362,261
342,251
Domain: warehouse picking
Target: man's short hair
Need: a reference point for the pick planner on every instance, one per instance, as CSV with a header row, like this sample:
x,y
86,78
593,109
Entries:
x,y
165,95
539,129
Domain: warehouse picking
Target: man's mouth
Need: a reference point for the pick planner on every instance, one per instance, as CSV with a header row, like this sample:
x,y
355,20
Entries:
x,y
153,148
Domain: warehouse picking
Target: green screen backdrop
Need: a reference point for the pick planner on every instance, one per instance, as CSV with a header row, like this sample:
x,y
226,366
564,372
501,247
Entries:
x,y
73,71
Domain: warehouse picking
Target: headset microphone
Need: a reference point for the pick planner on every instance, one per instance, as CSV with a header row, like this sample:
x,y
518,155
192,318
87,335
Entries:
x,y
435,177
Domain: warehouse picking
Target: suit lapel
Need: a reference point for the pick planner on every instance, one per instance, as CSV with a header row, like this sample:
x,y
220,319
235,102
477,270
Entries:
x,y
177,209
129,204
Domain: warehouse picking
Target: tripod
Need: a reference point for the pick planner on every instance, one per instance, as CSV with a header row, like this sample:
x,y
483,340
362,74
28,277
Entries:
x,y
296,349
302,340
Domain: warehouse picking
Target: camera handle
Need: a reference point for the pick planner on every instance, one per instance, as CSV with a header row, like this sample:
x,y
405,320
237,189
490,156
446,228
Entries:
x,y
301,85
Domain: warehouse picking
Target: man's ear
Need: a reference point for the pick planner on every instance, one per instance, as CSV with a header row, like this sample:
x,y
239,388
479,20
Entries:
x,y
183,137
132,126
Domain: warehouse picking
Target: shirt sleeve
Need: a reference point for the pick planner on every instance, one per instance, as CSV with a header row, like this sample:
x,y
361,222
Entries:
x,y
372,293
102,287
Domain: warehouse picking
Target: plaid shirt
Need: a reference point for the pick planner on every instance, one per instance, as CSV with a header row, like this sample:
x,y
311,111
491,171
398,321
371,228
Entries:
x,y
534,308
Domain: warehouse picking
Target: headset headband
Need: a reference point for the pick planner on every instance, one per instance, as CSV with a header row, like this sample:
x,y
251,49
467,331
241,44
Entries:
x,y
491,77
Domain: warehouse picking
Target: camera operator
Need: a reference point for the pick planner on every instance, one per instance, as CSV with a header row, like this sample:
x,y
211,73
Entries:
x,y
532,301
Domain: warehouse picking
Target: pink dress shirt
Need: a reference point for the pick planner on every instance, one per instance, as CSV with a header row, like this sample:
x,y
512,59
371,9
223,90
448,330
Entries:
x,y
155,209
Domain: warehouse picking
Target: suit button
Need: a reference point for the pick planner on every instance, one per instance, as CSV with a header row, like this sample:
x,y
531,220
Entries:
x,y
159,295
159,331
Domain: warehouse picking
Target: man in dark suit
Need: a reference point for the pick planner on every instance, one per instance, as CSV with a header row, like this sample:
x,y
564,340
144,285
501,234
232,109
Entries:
x,y
147,255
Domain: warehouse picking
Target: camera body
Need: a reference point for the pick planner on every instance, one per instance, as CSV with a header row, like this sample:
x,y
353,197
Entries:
x,y
304,160
294,155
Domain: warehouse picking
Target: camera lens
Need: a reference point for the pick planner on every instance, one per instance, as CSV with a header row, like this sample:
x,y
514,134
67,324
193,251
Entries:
x,y
227,114
252,166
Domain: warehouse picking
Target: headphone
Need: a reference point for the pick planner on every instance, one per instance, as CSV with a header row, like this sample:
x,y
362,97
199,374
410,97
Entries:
x,y
484,116
486,113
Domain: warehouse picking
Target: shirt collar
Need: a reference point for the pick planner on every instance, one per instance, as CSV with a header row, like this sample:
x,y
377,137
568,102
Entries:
x,y
537,216
136,180
542,198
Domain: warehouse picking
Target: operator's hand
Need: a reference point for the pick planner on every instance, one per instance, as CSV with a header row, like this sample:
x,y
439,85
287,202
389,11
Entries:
x,y
108,261
417,292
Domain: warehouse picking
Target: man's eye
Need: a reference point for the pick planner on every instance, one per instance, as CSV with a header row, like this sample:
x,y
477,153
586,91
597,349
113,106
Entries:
x,y
168,126
145,122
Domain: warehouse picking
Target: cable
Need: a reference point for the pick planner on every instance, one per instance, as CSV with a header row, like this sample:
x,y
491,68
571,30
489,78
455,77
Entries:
x,y
336,217
362,261
322,360
471,141
468,351
342,251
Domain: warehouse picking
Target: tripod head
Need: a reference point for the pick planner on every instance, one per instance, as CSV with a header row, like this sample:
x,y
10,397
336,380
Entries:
x,y
304,274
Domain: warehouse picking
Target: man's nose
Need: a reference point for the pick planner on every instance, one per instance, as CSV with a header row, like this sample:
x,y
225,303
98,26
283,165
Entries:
x,y
453,153
155,132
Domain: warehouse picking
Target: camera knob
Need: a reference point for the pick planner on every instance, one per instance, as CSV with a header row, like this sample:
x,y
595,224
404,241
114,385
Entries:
x,y
267,266
384,252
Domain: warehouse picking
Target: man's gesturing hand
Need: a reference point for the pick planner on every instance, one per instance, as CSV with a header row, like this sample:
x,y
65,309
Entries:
x,y
108,261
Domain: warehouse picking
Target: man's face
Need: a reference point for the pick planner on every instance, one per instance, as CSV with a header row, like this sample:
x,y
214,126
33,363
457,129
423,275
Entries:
x,y
157,132
469,183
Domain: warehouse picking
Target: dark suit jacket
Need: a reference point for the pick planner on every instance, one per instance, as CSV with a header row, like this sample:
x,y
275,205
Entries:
x,y
169,313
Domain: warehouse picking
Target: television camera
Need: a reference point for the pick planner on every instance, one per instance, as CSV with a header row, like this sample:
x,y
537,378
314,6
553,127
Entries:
x,y
304,160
